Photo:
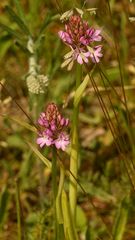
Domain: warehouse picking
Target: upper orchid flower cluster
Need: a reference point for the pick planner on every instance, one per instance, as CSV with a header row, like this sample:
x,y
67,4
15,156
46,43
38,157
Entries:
x,y
53,126
81,39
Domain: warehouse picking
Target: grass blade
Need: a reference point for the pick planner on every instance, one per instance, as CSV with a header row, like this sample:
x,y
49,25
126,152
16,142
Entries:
x,y
80,90
19,9
68,225
18,20
23,124
41,157
23,48
18,209
10,31
4,197
121,219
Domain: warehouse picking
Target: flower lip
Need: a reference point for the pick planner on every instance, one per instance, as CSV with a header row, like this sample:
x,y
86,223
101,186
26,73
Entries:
x,y
62,141
96,54
44,140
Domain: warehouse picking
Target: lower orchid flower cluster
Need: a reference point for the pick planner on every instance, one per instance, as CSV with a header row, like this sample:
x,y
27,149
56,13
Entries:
x,y
53,127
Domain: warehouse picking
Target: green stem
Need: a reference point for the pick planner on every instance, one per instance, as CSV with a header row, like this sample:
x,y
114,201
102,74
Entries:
x,y
18,208
74,152
69,224
34,103
54,188
54,174
32,58
58,199
59,213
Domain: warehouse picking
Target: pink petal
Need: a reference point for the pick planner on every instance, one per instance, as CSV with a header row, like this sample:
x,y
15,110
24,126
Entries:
x,y
65,37
62,122
84,41
66,122
53,126
97,36
97,32
41,141
86,60
90,32
42,120
86,54
79,59
48,133
96,55
94,35
62,141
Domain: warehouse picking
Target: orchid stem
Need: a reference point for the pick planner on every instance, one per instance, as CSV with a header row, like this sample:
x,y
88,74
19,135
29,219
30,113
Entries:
x,y
59,204
18,207
74,152
54,188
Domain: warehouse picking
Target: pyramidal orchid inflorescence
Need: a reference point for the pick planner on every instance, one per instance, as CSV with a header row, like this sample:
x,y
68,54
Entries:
x,y
81,39
53,126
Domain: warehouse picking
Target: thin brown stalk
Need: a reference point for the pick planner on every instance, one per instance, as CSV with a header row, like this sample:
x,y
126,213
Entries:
x,y
101,89
19,106
117,95
129,169
106,113
117,120
125,88
118,58
110,125
103,107
59,5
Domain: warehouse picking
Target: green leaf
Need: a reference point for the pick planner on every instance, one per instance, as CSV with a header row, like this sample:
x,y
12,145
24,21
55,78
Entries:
x,y
4,46
34,7
121,219
15,141
19,9
91,234
18,20
81,220
68,224
26,166
80,90
97,192
112,73
23,124
4,197
18,210
32,219
10,31
45,23
41,157
23,48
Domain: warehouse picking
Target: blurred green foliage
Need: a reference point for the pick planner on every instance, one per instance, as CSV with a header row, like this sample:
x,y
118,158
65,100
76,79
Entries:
x,y
101,172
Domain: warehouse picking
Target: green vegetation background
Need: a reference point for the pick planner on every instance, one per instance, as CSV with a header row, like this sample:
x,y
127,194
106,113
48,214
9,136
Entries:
x,y
101,171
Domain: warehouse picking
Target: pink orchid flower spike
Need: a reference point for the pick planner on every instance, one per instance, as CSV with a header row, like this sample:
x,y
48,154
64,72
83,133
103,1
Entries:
x,y
80,38
53,126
